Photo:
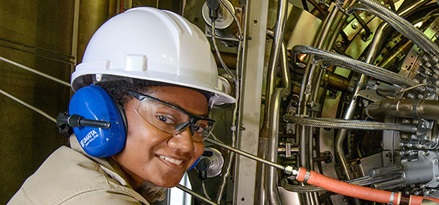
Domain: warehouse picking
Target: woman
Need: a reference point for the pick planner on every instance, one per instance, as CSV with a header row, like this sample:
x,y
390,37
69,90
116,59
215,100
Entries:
x,y
139,115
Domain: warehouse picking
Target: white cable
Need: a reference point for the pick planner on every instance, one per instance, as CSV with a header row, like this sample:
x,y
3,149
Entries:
x,y
34,71
29,106
203,185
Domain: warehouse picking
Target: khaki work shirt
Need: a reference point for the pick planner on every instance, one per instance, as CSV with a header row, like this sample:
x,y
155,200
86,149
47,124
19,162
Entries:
x,y
69,176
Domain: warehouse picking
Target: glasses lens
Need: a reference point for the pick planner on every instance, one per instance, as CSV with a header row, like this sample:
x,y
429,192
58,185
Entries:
x,y
172,120
202,129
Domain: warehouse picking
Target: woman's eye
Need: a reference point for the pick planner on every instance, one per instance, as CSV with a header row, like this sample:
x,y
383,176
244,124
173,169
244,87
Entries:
x,y
165,119
198,129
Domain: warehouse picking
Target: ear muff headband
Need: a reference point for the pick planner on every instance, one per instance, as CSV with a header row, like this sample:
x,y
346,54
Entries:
x,y
92,102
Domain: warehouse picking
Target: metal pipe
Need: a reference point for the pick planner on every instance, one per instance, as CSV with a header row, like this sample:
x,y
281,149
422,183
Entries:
x,y
377,40
270,182
304,94
245,154
374,47
303,132
196,195
399,23
414,108
270,173
273,62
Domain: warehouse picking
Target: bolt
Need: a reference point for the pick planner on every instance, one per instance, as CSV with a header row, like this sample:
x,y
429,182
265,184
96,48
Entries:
x,y
338,44
428,64
355,25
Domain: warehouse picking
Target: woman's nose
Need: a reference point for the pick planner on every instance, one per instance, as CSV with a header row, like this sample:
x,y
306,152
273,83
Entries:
x,y
182,140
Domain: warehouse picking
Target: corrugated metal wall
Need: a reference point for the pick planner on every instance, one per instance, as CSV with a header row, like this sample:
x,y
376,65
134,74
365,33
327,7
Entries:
x,y
30,32
39,35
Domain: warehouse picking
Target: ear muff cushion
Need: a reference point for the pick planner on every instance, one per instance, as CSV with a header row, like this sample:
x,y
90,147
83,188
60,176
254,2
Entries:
x,y
92,102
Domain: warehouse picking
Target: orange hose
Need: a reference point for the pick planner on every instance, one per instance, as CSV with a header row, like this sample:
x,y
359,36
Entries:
x,y
355,191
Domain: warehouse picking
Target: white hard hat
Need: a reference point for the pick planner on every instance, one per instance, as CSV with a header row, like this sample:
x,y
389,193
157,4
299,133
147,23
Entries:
x,y
151,44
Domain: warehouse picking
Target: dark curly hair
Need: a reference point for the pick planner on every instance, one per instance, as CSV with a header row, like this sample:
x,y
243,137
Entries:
x,y
118,87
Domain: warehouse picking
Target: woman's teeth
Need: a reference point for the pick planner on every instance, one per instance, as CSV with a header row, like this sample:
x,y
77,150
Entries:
x,y
173,161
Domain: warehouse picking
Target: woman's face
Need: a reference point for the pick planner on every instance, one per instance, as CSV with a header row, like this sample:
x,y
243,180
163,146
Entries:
x,y
156,156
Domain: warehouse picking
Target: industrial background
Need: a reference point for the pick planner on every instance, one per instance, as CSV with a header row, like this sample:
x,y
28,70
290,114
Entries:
x,y
347,88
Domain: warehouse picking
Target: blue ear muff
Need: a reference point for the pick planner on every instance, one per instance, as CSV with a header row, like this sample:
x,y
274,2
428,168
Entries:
x,y
93,103
194,164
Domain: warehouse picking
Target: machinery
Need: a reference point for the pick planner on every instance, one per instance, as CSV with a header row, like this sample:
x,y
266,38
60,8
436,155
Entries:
x,y
344,88
348,89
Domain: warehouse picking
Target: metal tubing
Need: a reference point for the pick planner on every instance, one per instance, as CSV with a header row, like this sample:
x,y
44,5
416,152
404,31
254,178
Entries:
x,y
183,188
277,35
303,132
277,49
270,173
400,24
374,47
245,154
415,108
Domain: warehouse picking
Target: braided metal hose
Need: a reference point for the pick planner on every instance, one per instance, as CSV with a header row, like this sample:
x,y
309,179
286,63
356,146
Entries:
x,y
348,124
355,65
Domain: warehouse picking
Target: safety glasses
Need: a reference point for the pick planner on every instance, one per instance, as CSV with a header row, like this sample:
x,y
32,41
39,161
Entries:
x,y
170,118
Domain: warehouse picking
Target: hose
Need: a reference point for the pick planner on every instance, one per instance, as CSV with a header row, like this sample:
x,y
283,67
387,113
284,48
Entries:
x,y
365,193
374,47
399,23
355,65
348,124
363,181
336,186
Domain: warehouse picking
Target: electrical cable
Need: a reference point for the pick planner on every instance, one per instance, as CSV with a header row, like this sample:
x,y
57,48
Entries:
x,y
28,105
223,64
71,60
237,83
34,71
203,186
235,18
